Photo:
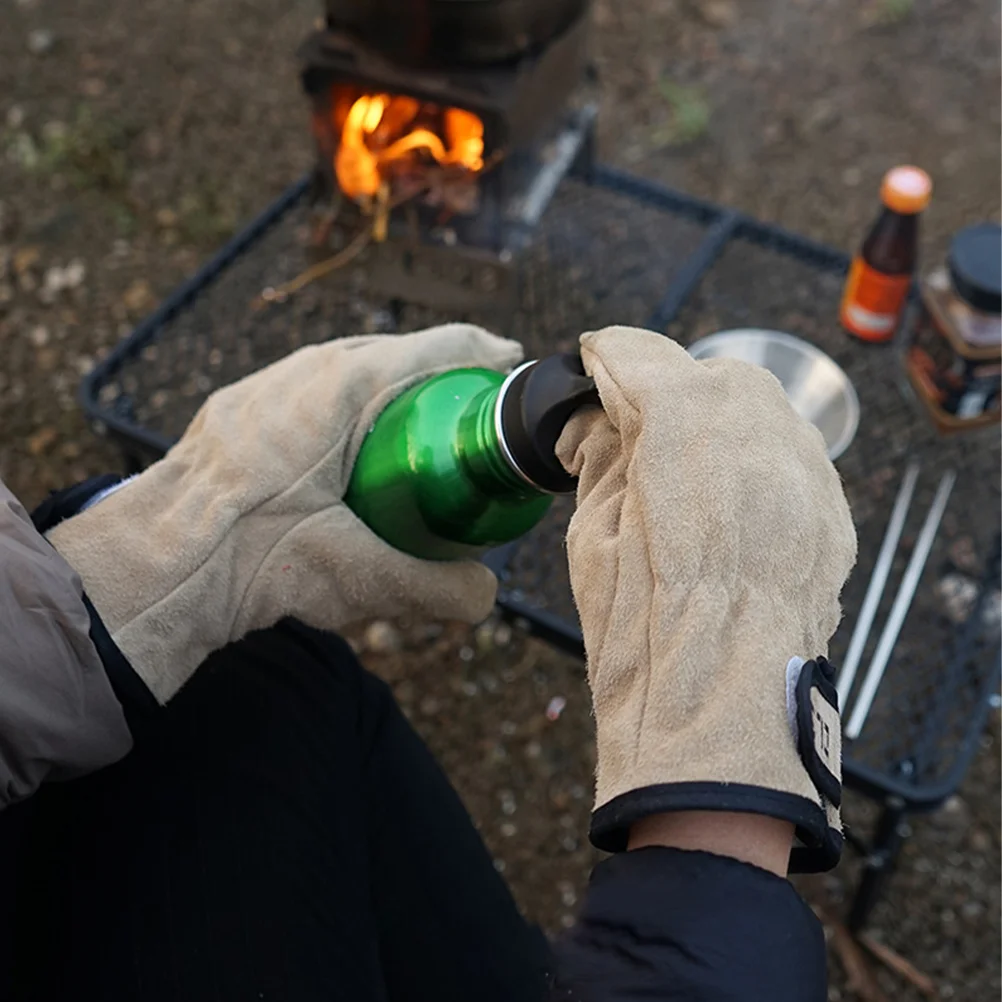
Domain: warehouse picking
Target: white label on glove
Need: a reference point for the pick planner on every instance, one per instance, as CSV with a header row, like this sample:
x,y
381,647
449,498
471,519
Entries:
x,y
793,668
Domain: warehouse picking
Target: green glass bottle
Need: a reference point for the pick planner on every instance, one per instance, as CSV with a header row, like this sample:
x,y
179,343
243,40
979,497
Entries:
x,y
465,460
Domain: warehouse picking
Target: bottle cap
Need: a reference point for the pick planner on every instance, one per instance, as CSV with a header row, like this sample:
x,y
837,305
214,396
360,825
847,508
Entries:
x,y
975,263
906,190
534,407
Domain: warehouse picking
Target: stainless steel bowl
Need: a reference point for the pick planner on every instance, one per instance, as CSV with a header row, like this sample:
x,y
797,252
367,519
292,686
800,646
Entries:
x,y
818,388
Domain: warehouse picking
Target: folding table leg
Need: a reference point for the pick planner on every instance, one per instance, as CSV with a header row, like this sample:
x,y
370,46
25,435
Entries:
x,y
892,830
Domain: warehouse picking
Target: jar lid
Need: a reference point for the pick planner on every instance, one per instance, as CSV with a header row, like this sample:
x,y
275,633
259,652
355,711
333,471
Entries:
x,y
975,263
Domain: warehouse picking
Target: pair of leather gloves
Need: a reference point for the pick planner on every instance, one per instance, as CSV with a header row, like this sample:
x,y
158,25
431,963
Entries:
x,y
707,552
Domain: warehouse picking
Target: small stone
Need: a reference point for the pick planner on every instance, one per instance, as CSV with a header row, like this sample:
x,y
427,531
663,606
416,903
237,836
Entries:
x,y
508,728
499,865
93,87
74,273
508,829
39,336
719,13
41,41
15,117
42,440
955,805
852,176
469,688
568,895
429,706
566,920
382,637
466,653
981,841
555,707
958,594
167,218
502,635
533,749
70,450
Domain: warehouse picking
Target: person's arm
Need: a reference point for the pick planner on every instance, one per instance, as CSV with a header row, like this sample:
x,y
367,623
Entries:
x,y
707,551
751,838
675,925
241,524
59,714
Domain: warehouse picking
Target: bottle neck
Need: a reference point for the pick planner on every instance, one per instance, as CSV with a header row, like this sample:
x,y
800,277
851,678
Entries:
x,y
892,245
482,453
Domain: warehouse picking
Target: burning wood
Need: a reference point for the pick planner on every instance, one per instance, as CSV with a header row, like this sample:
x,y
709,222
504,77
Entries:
x,y
393,146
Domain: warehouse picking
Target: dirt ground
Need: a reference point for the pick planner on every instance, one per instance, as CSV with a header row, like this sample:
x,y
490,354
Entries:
x,y
132,141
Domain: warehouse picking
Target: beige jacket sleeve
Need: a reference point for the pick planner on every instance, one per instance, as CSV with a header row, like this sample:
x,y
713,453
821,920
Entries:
x,y
59,716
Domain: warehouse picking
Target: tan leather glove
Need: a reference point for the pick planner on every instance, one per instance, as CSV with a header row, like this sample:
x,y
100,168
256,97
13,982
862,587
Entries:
x,y
707,552
242,522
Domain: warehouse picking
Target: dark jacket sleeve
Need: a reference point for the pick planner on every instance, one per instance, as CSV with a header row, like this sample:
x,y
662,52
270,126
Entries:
x,y
674,926
59,716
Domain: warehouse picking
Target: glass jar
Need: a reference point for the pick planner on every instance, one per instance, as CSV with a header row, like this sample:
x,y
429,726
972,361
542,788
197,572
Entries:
x,y
953,340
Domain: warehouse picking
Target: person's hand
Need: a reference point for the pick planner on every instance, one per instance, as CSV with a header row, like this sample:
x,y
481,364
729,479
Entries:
x,y
707,552
242,523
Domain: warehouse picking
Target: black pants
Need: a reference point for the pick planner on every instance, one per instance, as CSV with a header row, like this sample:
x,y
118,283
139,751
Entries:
x,y
281,833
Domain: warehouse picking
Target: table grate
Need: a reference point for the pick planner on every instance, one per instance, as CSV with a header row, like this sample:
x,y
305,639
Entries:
x,y
620,250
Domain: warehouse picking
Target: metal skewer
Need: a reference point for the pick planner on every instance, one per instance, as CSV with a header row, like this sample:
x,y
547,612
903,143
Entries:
x,y
902,602
881,570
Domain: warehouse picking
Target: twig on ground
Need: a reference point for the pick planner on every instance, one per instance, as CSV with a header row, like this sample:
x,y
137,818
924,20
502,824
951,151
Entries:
x,y
899,965
859,978
358,243
347,254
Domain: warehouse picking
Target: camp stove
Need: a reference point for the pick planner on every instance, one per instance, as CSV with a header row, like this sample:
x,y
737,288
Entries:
x,y
442,133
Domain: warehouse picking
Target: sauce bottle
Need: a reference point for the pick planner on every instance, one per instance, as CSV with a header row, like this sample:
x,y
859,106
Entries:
x,y
881,273
466,460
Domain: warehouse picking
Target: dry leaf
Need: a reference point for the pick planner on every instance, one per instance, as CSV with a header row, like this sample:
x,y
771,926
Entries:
x,y
24,259
138,296
42,440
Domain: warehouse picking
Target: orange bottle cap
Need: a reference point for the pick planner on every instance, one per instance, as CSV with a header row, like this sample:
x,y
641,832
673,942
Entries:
x,y
906,190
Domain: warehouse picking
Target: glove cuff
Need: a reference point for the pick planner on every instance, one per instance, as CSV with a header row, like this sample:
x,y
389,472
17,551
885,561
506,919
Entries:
x,y
821,843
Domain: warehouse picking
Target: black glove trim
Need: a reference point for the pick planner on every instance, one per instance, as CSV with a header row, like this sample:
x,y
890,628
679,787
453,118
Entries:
x,y
138,704
821,845
66,503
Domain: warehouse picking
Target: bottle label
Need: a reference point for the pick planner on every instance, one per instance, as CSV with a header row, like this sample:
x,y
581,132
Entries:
x,y
872,301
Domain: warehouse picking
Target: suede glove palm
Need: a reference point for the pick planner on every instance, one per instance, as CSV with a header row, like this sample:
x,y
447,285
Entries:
x,y
242,522
707,552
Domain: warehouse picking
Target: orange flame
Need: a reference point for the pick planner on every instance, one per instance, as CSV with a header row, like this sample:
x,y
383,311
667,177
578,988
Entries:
x,y
373,138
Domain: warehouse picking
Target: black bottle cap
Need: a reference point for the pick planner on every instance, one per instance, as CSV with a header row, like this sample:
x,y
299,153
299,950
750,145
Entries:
x,y
536,405
975,263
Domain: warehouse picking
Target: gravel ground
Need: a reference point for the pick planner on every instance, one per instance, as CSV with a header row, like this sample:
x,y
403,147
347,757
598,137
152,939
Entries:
x,y
131,144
